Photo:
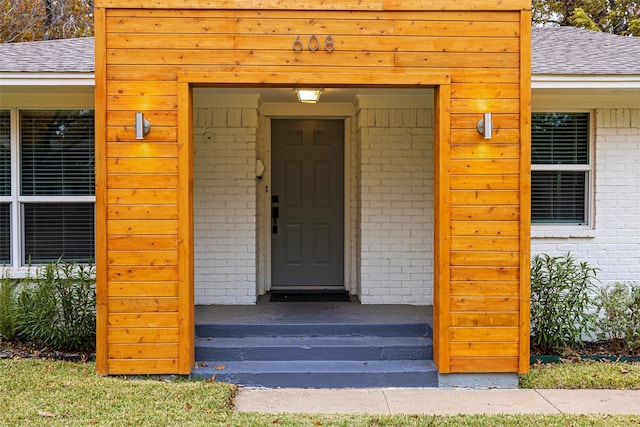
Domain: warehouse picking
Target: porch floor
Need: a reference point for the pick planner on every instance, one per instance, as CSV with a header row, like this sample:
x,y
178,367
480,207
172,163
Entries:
x,y
265,312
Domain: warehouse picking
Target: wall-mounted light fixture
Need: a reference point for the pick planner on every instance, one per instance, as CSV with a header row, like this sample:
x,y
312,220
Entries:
x,y
308,96
142,126
485,126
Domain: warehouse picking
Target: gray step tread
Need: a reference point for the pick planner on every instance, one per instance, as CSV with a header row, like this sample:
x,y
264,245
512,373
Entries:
x,y
322,374
297,341
325,329
320,366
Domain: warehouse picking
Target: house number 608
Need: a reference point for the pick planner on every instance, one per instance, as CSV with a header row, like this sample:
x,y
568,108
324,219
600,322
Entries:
x,y
313,43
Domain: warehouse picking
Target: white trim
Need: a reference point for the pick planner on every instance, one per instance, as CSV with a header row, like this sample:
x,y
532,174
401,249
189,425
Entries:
x,y
538,81
596,99
46,79
554,81
266,213
293,110
47,97
346,251
16,220
56,199
207,98
562,167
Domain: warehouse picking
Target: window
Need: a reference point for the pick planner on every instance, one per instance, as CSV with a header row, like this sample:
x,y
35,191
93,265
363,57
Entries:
x,y
560,168
56,153
5,187
5,153
47,204
53,230
5,234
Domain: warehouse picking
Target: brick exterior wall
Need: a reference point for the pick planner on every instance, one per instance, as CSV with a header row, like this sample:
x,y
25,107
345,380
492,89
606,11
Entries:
x,y
612,242
225,202
389,144
396,206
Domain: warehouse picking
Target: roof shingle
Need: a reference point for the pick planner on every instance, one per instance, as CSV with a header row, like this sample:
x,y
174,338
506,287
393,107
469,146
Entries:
x,y
54,56
570,50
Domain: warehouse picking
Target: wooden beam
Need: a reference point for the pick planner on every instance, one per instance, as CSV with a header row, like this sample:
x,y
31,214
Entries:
x,y
525,190
442,229
102,305
186,308
356,77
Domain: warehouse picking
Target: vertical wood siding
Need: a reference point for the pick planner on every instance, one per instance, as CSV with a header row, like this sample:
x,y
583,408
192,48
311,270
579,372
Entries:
x,y
144,186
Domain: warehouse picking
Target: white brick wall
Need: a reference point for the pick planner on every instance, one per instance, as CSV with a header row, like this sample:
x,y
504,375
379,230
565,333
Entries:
x,y
396,208
613,243
225,201
391,154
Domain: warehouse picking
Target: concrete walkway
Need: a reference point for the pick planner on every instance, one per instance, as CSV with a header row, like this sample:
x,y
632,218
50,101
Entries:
x,y
437,401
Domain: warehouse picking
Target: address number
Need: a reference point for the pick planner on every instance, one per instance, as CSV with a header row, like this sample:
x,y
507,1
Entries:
x,y
314,43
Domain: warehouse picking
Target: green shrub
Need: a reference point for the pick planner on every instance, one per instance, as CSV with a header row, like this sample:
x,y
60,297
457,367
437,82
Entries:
x,y
57,307
561,302
618,320
7,307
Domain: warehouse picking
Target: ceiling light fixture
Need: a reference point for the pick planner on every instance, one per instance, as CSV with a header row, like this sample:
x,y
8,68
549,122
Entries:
x,y
308,96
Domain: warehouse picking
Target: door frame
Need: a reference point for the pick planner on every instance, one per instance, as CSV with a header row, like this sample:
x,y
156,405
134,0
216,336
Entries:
x,y
439,80
343,112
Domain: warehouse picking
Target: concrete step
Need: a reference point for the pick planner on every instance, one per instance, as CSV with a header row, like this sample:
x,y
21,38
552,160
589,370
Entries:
x,y
316,345
314,348
238,330
322,374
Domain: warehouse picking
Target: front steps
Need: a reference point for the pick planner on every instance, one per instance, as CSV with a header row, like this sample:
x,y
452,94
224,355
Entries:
x,y
348,350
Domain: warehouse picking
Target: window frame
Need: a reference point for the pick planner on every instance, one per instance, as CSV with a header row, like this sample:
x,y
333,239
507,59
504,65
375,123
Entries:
x,y
18,260
588,169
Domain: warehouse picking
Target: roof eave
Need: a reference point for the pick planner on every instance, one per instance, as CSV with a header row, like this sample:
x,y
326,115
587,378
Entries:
x,y
586,81
46,79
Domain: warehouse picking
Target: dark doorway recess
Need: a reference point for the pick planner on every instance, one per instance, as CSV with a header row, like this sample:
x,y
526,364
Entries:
x,y
309,296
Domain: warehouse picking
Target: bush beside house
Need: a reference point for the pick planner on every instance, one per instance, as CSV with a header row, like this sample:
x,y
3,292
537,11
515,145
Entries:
x,y
568,307
56,308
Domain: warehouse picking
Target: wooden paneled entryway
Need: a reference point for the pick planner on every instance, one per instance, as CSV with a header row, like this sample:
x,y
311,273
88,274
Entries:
x,y
151,53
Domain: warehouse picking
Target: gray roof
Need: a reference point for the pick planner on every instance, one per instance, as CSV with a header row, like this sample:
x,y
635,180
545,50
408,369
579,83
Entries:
x,y
558,50
570,50
54,56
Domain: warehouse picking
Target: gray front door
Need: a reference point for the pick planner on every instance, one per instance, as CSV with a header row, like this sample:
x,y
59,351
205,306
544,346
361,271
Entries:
x,y
307,203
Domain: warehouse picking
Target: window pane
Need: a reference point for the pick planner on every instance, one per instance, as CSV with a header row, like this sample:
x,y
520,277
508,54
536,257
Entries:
x,y
558,197
54,230
560,138
5,153
57,153
5,233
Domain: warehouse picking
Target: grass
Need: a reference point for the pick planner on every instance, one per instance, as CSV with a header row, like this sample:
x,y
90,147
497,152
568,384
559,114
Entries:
x,y
51,393
584,374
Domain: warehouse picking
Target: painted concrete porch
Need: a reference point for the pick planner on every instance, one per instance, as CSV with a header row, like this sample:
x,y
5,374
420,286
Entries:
x,y
315,344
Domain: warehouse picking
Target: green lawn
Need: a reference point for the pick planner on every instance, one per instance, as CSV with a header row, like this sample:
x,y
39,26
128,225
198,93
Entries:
x,y
586,374
47,393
